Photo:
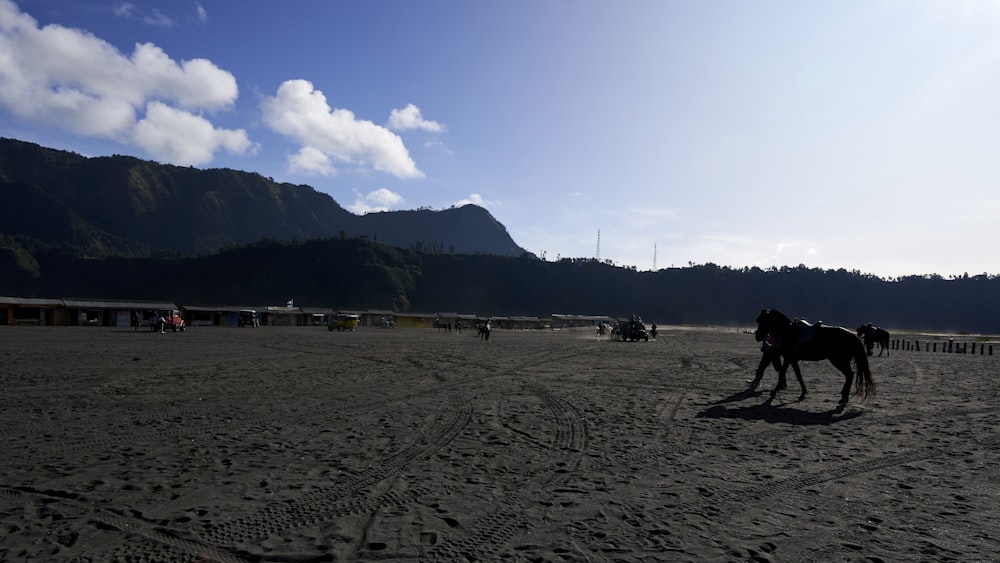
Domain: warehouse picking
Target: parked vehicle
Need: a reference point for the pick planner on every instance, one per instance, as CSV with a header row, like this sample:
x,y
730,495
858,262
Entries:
x,y
633,329
248,317
172,320
344,321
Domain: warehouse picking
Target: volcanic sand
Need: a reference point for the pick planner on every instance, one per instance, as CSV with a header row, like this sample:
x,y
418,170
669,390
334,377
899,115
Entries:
x,y
298,444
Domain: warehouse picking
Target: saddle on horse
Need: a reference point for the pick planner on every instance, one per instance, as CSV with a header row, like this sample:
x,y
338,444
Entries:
x,y
801,332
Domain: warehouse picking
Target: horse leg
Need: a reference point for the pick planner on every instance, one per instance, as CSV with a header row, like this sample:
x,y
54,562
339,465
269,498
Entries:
x,y
782,383
802,384
765,360
845,367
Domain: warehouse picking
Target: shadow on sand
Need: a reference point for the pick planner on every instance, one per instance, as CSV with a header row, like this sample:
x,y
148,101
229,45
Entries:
x,y
747,393
769,412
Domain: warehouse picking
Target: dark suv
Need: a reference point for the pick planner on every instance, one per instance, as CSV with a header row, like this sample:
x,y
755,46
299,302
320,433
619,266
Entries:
x,y
633,329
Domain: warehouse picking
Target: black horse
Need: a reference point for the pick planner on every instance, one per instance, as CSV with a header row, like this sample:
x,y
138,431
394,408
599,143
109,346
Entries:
x,y
801,341
872,335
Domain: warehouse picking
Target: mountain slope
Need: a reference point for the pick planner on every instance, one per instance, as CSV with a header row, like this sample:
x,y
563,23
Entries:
x,y
122,205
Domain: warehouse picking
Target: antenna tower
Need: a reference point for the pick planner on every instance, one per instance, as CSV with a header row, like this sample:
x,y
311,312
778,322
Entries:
x,y
598,245
654,256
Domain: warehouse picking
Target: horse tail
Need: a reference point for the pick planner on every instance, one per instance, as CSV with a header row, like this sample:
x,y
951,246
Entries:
x,y
864,384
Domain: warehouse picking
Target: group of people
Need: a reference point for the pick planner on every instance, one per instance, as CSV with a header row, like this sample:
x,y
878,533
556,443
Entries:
x,y
156,323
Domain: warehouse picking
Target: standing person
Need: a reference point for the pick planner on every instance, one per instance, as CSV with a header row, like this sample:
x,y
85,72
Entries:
x,y
135,320
652,330
769,356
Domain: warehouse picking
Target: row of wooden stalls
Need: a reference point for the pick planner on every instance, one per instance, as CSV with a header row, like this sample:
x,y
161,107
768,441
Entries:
x,y
30,311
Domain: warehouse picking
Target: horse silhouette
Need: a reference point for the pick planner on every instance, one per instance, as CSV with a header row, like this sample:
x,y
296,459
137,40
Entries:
x,y
872,335
799,340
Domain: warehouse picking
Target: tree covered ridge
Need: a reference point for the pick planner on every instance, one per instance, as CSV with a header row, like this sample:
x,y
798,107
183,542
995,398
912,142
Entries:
x,y
364,274
124,206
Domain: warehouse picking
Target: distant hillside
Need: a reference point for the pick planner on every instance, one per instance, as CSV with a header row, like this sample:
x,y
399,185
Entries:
x,y
123,228
124,206
356,273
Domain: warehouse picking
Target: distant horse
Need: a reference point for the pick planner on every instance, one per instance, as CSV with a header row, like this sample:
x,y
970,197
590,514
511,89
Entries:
x,y
801,341
484,330
872,335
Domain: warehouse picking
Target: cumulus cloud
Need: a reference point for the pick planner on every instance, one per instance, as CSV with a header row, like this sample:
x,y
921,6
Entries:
x,y
302,113
182,137
69,79
311,161
475,199
378,200
410,118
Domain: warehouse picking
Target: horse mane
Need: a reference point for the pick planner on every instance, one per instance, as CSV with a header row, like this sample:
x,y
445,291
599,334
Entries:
x,y
775,316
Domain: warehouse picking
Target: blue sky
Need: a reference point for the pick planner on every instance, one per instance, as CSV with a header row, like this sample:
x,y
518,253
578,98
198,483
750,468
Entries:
x,y
841,134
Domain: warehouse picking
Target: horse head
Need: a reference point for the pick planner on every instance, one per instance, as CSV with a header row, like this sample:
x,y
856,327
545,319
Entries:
x,y
770,321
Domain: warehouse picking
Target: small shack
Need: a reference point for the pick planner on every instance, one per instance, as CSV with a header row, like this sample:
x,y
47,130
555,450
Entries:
x,y
32,311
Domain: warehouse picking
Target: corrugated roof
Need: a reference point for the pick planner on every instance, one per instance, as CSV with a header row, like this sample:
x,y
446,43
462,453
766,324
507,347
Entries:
x,y
316,310
31,301
218,308
97,304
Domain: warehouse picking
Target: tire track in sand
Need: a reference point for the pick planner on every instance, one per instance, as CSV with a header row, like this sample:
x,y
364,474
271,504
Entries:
x,y
492,532
328,503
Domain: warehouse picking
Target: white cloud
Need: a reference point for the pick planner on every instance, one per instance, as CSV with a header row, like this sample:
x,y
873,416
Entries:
x,y
476,199
202,14
410,118
310,161
184,138
69,79
124,10
302,113
128,10
378,200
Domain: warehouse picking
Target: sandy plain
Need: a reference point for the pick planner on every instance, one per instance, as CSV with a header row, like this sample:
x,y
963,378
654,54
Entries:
x,y
299,444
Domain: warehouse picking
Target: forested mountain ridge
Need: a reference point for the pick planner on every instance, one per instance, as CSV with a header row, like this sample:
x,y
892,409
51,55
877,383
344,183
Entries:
x,y
124,206
123,228
363,274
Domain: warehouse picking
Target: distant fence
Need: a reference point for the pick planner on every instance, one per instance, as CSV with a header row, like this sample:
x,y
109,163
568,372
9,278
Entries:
x,y
949,347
